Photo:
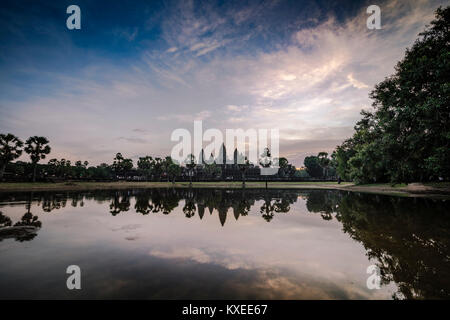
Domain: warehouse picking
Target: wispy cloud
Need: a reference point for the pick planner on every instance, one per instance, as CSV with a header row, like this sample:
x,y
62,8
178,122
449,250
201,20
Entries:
x,y
211,65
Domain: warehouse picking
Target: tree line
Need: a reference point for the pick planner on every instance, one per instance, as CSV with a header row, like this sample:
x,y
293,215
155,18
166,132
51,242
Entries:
x,y
147,167
11,148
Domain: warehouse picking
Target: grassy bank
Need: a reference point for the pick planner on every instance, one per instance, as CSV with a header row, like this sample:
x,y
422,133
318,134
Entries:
x,y
414,189
38,186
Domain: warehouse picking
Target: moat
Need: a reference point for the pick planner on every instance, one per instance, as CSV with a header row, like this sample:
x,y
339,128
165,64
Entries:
x,y
223,244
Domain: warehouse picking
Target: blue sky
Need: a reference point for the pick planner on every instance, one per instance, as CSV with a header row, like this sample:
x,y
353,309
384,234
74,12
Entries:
x,y
138,70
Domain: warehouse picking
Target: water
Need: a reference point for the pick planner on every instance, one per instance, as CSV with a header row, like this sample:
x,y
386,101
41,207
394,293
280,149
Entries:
x,y
224,244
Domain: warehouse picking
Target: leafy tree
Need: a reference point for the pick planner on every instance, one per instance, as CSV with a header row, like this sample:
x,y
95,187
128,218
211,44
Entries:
x,y
283,163
324,162
165,166
407,136
37,148
286,169
313,166
302,173
102,171
173,171
341,155
158,168
122,165
145,165
212,169
10,149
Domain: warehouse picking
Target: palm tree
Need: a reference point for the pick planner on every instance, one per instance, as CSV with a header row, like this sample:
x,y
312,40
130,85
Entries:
x,y
244,167
37,148
324,162
10,149
266,160
145,166
190,165
122,165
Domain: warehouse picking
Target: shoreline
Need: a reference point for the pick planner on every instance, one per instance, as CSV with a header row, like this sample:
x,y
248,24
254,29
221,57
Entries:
x,y
411,190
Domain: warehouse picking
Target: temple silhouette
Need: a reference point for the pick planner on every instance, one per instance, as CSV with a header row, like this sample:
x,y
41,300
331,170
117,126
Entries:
x,y
229,168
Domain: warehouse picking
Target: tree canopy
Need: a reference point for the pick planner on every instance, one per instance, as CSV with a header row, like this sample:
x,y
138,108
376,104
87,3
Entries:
x,y
407,135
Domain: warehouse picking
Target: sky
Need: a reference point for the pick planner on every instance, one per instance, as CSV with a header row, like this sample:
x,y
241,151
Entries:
x,y
136,71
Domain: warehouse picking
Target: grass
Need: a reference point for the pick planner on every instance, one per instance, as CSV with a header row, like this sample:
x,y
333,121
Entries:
x,y
379,188
384,185
443,185
42,186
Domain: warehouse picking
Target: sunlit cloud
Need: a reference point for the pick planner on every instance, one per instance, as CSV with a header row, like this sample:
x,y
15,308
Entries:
x,y
210,65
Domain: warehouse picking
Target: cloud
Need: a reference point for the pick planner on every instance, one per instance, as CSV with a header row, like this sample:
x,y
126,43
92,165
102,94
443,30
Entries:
x,y
138,130
187,118
311,84
233,108
128,34
356,83
133,139
172,49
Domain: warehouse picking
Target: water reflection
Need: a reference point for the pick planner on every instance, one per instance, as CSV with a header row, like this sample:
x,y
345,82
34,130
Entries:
x,y
197,200
407,237
23,230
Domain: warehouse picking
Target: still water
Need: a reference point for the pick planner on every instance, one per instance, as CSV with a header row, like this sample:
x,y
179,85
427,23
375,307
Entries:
x,y
223,244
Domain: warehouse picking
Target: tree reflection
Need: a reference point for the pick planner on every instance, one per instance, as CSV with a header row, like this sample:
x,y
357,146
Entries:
x,y
5,221
143,204
408,237
242,205
267,209
23,230
189,206
120,203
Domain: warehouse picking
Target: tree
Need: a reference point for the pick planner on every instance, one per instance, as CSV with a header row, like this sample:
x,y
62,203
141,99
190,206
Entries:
x,y
157,169
312,166
52,166
285,167
146,165
10,149
173,171
266,160
324,162
165,166
80,169
213,170
37,148
244,167
122,165
407,137
190,165
283,163
341,156
102,171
